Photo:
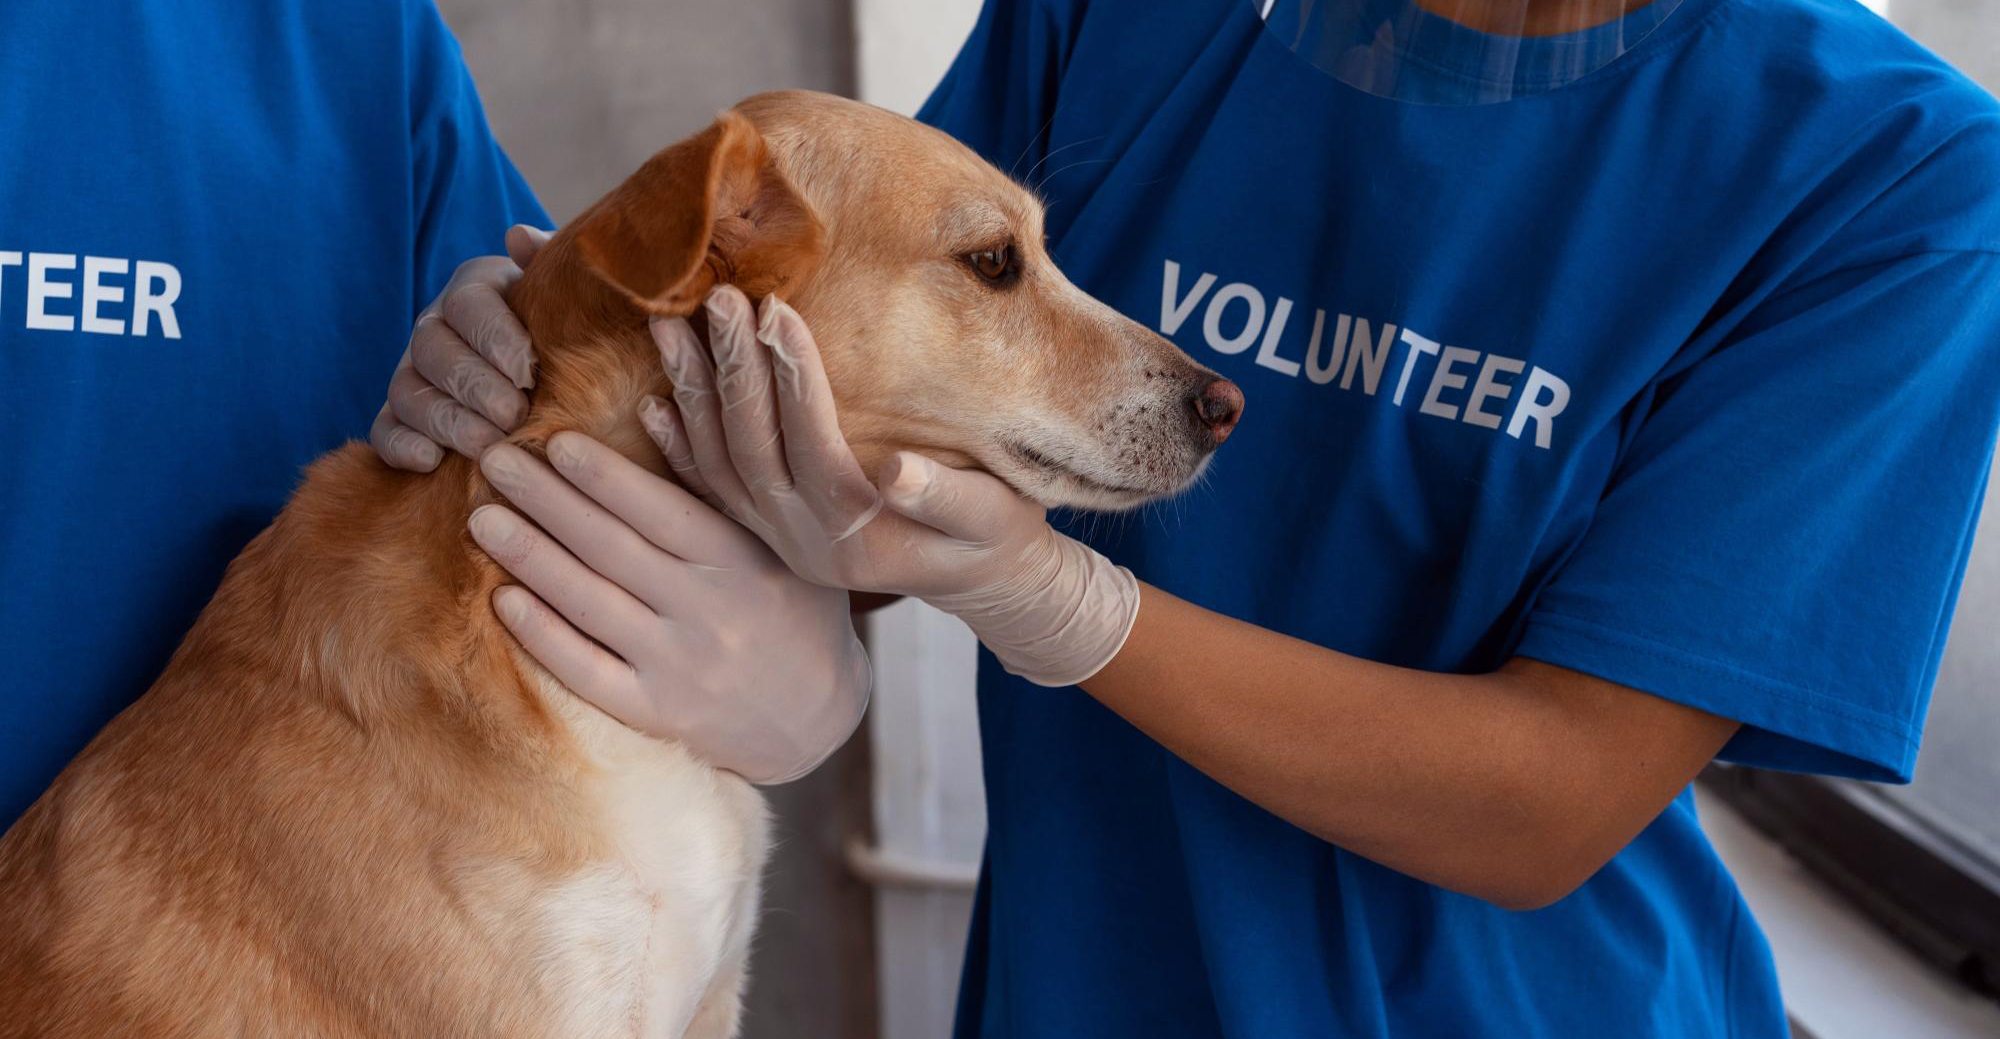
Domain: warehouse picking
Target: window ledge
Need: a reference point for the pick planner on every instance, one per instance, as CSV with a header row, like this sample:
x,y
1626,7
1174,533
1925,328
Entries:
x,y
1842,977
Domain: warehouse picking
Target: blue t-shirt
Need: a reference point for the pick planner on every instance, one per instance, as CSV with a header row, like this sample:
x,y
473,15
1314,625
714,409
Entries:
x,y
1685,375
217,222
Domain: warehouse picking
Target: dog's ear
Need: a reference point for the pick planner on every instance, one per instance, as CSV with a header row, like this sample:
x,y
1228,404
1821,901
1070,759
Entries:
x,y
710,210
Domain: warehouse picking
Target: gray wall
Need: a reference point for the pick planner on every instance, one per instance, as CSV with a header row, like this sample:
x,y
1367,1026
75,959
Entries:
x,y
1963,32
581,92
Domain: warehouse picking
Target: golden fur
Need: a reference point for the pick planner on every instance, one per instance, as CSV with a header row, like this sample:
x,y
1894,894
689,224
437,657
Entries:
x,y
352,807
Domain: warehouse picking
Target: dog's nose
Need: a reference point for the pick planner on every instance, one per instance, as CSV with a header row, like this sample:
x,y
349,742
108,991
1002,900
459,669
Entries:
x,y
1217,406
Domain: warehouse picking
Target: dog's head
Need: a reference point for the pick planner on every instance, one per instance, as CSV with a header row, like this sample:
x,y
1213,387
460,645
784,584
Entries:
x,y
922,272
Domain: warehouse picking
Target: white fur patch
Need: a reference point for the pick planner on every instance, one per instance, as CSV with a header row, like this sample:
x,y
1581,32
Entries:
x,y
633,946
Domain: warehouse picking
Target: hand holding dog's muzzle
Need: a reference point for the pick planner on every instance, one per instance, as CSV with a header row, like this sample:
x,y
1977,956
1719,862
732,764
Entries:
x,y
754,432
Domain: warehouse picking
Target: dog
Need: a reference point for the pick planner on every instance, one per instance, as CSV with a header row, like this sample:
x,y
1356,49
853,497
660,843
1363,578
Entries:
x,y
353,806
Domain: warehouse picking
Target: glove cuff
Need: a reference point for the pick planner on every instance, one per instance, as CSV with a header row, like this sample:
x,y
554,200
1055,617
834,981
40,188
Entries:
x,y
1066,628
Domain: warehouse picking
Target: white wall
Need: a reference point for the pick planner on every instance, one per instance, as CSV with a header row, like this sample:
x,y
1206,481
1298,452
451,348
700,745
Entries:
x,y
904,47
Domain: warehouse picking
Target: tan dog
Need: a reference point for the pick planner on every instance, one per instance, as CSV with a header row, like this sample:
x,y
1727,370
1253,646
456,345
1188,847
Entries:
x,y
353,807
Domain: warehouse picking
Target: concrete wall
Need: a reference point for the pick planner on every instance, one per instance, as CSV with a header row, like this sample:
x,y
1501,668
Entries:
x,y
1963,32
581,92
904,47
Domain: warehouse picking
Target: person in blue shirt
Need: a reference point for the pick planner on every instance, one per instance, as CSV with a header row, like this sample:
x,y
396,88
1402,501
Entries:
x,y
219,218
218,223
1623,385
1623,388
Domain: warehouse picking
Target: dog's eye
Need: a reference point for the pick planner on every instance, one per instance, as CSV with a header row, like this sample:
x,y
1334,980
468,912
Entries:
x,y
996,266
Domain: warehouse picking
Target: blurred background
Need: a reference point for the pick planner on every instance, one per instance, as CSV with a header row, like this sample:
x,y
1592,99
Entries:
x,y
1883,905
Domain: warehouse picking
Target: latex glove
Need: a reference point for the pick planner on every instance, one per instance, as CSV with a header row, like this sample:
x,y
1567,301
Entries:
x,y
753,429
702,635
463,379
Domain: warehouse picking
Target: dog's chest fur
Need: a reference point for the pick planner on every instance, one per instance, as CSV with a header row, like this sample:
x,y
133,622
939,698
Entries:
x,y
652,940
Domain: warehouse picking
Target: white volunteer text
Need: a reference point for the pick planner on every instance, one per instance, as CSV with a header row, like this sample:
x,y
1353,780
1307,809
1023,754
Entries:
x,y
1358,348
100,307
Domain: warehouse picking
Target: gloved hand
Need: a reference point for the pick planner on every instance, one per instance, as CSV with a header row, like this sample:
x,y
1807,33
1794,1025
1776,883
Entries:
x,y
462,380
754,432
702,634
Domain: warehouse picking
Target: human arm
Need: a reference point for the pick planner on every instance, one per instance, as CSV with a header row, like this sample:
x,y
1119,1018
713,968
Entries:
x,y
1512,786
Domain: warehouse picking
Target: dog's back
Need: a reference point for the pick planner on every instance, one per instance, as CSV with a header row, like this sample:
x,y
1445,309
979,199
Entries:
x,y
353,807
344,811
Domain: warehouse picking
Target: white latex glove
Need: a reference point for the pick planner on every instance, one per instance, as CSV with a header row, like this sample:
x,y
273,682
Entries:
x,y
702,635
753,430
463,379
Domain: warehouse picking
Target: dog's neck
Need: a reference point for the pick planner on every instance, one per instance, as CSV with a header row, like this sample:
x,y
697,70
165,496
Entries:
x,y
597,360
375,568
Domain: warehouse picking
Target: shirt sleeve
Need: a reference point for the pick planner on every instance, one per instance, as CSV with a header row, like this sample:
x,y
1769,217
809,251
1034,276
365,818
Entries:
x,y
1000,92
1784,538
465,191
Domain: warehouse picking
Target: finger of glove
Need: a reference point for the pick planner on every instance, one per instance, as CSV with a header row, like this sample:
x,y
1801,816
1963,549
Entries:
x,y
582,666
972,507
749,403
693,376
822,465
598,607
401,446
481,317
604,542
524,241
431,412
670,520
443,359
662,422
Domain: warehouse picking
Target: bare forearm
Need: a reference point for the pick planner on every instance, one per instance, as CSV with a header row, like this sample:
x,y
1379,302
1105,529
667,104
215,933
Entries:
x,y
1511,786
